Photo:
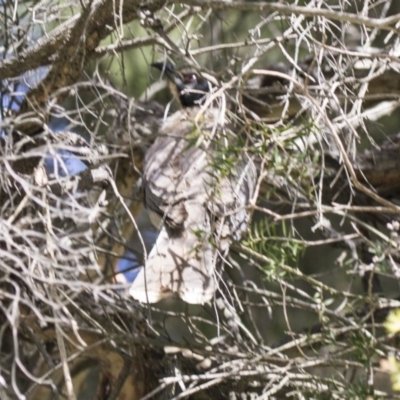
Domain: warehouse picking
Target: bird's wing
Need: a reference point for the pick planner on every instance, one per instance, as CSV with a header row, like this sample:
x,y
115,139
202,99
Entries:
x,y
175,169
228,205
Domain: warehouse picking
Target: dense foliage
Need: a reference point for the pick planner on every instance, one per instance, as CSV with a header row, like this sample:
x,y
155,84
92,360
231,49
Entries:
x,y
311,88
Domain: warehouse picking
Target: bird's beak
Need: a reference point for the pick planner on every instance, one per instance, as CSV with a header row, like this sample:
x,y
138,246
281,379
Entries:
x,y
175,80
167,69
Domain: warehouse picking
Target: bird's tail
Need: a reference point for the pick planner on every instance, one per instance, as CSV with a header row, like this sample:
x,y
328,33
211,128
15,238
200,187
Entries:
x,y
182,261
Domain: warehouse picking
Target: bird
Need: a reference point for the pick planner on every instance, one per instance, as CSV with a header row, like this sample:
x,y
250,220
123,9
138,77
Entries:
x,y
264,96
196,194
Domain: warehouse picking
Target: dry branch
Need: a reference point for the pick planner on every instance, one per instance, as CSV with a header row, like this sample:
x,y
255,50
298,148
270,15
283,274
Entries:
x,y
61,237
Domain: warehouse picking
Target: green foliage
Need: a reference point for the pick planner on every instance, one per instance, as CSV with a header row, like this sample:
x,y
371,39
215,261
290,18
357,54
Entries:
x,y
358,391
276,241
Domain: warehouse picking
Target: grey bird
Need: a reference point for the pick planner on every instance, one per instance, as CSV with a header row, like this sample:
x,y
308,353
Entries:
x,y
196,193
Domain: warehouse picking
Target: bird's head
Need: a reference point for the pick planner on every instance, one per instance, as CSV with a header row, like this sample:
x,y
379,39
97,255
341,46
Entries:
x,y
186,84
